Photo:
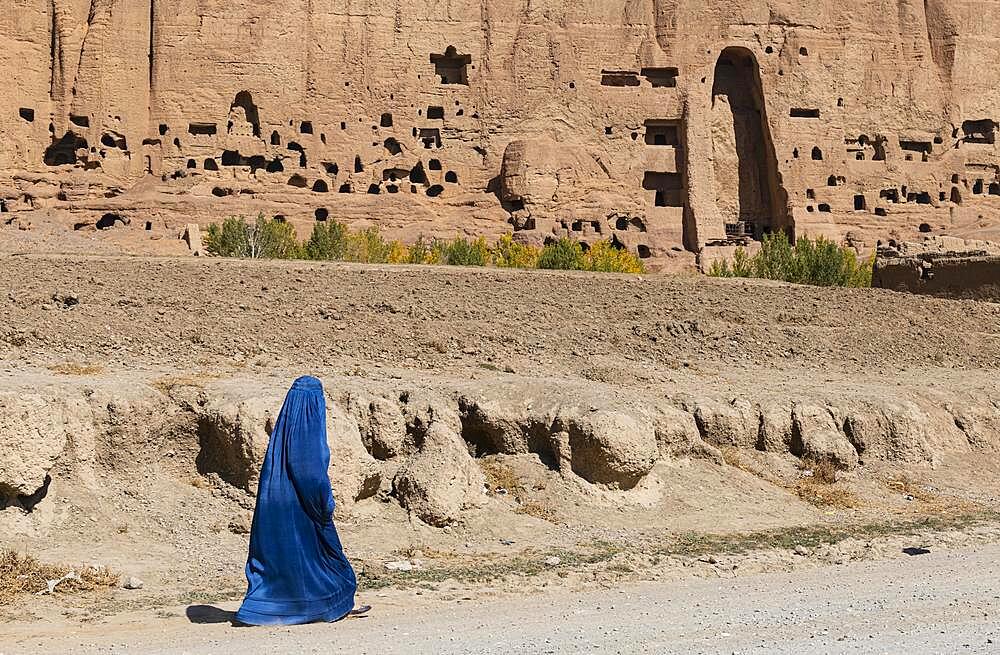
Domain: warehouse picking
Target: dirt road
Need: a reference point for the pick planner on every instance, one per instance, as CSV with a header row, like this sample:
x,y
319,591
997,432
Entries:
x,y
946,602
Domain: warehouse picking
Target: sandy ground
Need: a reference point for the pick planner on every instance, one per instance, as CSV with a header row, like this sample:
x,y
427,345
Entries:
x,y
940,602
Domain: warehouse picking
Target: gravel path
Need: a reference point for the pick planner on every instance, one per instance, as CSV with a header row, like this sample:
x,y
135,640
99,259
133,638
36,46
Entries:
x,y
944,602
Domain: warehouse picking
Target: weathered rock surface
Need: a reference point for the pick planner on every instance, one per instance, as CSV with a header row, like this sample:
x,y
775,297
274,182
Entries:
x,y
33,433
441,479
816,435
611,448
129,119
941,266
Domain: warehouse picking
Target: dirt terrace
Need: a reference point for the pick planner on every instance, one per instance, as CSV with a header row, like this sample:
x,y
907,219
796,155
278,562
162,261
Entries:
x,y
187,313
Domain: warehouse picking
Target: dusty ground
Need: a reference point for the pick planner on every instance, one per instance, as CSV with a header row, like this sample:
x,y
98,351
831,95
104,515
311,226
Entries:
x,y
186,313
921,604
148,511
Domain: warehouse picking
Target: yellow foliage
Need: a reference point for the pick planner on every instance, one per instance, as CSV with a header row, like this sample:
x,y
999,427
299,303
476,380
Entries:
x,y
507,253
606,258
398,253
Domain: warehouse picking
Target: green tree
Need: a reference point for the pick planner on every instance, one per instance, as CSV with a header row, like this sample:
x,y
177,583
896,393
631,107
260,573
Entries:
x,y
368,246
463,252
564,254
507,253
328,241
605,257
262,239
818,262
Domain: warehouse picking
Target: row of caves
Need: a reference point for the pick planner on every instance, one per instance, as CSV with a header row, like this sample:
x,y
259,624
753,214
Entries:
x,y
396,167
416,150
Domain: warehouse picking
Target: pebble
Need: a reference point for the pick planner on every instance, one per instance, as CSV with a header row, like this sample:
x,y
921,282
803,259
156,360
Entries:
x,y
133,582
402,565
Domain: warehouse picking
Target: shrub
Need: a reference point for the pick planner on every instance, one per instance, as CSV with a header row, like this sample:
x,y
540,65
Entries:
x,y
462,252
507,253
232,239
329,241
605,257
334,241
564,255
368,246
422,252
398,253
819,262
23,574
264,239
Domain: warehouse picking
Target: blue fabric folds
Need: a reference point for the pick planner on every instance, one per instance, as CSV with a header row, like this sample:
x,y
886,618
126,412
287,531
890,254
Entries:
x,y
296,569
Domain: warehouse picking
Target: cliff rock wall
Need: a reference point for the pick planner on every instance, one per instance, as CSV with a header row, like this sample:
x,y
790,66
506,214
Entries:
x,y
670,126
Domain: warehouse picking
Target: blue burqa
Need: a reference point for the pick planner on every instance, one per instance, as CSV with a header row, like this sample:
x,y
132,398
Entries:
x,y
296,570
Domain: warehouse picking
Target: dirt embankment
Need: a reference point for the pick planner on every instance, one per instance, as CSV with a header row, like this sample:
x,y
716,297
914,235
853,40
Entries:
x,y
478,415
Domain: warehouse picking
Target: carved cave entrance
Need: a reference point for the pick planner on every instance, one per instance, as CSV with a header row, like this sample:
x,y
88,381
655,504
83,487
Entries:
x,y
746,172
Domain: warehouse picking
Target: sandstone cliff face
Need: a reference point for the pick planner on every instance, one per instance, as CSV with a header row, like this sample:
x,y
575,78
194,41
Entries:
x,y
670,126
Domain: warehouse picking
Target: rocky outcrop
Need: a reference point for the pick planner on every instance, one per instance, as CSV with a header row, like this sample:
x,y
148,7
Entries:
x,y
441,479
35,430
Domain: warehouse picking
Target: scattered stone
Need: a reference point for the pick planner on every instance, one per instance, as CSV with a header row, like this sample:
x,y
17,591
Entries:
x,y
133,582
66,300
552,561
241,524
802,550
914,551
401,565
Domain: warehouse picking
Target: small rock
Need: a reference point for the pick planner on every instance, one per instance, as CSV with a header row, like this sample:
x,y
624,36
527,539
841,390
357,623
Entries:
x,y
133,582
552,561
66,300
241,524
801,550
402,565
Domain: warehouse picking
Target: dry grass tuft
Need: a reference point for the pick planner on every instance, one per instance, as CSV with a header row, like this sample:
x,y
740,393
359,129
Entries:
x,y
538,510
826,495
906,485
167,384
199,482
732,457
76,368
501,477
23,574
824,471
821,488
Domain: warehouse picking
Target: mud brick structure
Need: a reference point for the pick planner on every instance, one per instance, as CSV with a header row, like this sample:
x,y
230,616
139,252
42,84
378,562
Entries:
x,y
941,266
673,127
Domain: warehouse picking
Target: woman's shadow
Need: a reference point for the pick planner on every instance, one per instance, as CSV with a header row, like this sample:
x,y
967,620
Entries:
x,y
210,614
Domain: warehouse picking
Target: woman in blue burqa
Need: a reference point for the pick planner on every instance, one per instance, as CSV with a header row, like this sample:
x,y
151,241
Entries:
x,y
296,570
